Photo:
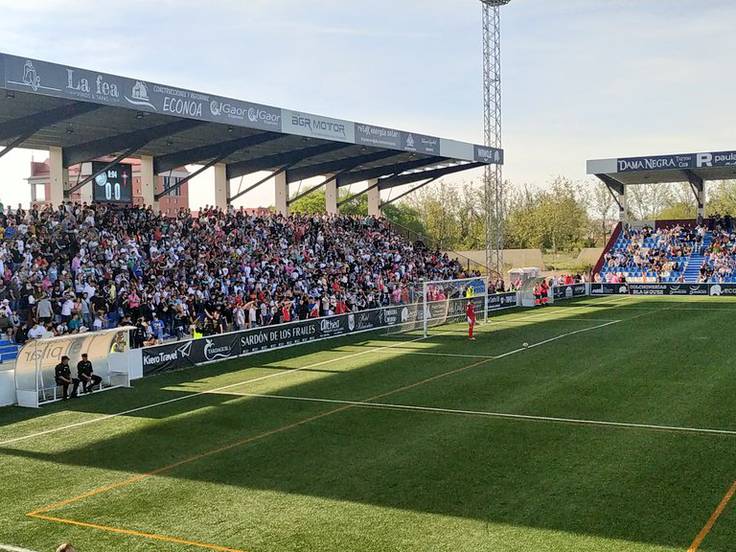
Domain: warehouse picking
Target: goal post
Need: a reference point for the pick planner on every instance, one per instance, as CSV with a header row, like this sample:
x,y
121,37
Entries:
x,y
444,301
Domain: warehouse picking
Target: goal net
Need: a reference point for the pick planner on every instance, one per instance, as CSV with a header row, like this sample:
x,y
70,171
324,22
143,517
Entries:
x,y
445,301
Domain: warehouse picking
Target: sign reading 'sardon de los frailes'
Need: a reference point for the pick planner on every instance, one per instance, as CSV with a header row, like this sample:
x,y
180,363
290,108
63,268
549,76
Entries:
x,y
51,79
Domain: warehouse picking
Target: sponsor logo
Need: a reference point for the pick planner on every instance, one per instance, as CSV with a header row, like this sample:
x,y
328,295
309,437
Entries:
x,y
213,352
329,325
653,163
253,339
139,95
404,314
410,141
318,126
182,106
182,351
351,322
716,290
32,79
100,87
258,115
569,292
30,76
623,289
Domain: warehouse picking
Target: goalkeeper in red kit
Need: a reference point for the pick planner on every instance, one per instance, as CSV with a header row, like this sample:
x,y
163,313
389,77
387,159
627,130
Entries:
x,y
470,313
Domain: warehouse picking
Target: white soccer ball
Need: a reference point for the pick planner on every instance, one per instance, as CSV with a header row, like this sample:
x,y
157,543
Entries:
x,y
525,345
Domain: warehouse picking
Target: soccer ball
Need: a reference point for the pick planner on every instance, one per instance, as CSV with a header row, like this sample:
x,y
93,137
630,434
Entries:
x,y
525,344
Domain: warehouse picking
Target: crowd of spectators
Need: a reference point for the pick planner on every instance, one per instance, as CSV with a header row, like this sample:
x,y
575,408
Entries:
x,y
75,268
719,264
656,255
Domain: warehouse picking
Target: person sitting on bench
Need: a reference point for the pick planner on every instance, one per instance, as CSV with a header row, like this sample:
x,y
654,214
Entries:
x,y
85,374
63,376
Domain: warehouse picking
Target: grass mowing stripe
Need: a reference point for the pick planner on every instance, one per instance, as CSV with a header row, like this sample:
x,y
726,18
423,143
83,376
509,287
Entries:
x,y
486,414
41,512
199,393
712,519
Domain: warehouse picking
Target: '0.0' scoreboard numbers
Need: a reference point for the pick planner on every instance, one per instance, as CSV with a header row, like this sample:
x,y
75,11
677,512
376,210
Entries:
x,y
113,185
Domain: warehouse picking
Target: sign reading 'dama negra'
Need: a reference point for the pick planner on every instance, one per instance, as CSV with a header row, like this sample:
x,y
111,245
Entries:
x,y
73,83
678,161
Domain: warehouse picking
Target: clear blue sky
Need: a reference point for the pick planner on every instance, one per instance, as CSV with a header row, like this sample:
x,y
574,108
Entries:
x,y
582,78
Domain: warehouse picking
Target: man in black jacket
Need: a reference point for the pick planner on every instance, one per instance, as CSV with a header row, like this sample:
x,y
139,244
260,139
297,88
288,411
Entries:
x,y
63,376
85,374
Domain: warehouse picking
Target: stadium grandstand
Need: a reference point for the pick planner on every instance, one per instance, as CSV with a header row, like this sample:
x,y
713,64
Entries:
x,y
232,379
699,251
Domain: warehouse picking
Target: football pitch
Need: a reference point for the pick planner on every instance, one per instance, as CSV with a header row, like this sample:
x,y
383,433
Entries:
x,y
601,424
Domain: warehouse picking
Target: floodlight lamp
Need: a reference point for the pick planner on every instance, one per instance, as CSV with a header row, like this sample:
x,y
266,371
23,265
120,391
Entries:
x,y
495,3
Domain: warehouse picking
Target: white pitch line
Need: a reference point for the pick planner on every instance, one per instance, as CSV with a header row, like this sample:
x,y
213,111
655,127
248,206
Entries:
x,y
10,548
553,319
482,413
199,393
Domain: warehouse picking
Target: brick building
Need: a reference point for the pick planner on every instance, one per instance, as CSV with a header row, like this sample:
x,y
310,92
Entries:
x,y
39,182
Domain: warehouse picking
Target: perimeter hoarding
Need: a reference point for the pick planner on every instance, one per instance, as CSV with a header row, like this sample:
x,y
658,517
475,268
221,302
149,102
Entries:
x,y
73,83
714,290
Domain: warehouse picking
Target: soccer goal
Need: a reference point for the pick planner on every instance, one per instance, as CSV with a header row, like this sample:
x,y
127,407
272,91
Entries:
x,y
445,301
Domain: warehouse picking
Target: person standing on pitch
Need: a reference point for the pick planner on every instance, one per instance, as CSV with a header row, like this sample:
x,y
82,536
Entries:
x,y
85,374
63,377
470,313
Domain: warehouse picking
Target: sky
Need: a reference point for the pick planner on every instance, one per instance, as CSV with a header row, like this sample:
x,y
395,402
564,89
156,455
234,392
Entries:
x,y
582,79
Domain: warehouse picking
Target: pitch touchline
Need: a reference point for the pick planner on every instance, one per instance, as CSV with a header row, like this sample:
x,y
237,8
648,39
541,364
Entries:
x,y
200,393
486,414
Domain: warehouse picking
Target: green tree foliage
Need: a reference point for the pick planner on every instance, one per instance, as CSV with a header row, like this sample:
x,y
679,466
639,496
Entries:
x,y
400,213
554,218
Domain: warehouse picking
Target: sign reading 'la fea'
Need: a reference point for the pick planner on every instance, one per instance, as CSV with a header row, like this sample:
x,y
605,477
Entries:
x,y
41,77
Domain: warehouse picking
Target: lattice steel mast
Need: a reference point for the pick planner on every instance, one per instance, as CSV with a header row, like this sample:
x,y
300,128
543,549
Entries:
x,y
493,177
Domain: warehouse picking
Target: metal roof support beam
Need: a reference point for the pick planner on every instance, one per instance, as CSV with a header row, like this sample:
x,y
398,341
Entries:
x,y
234,170
617,189
113,144
177,159
611,183
356,195
310,190
414,189
369,174
697,185
31,124
15,143
401,179
187,178
115,161
261,181
341,165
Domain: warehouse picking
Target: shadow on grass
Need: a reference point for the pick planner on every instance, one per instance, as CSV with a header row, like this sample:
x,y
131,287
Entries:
x,y
635,486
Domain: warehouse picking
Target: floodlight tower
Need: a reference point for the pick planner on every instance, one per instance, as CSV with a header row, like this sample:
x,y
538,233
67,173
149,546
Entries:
x,y
493,178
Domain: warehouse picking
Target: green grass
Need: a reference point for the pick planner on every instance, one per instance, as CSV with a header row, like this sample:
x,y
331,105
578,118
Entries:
x,y
332,476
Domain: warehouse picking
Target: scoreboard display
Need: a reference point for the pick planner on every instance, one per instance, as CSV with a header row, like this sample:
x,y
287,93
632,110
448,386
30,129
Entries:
x,y
113,185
